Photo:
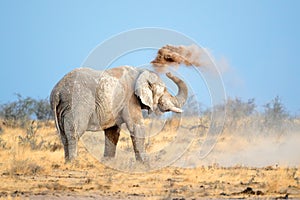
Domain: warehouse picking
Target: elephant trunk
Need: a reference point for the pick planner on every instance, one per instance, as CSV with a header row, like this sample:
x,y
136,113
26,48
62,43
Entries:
x,y
182,95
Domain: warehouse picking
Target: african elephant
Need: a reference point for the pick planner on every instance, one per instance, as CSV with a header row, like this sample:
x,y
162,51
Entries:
x,y
86,99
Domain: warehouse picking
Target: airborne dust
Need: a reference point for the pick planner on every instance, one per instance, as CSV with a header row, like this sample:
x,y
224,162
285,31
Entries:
x,y
179,55
242,146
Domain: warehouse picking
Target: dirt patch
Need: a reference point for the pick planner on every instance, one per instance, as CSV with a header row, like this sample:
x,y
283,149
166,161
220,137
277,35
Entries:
x,y
44,175
169,183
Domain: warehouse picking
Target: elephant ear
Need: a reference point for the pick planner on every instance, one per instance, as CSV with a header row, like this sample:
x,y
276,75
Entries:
x,y
149,88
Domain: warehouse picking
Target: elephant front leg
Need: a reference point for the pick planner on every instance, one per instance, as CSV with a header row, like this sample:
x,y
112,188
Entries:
x,y
133,118
111,139
138,141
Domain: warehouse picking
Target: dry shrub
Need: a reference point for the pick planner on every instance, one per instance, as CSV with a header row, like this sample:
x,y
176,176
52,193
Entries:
x,y
35,140
29,151
24,167
22,162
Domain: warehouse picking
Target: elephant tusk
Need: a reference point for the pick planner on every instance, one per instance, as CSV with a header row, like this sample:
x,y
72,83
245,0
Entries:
x,y
175,109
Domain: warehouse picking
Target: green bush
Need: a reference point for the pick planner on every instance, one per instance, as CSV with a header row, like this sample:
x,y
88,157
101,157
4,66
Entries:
x,y
21,111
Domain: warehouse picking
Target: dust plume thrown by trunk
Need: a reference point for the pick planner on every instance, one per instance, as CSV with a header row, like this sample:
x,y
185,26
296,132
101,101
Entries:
x,y
180,55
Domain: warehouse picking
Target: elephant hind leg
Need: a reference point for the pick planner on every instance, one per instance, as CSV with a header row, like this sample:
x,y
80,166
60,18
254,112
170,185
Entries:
x,y
65,144
111,139
70,148
70,137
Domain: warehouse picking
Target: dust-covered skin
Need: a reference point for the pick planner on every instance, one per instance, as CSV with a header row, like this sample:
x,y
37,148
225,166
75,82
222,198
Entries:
x,y
72,101
86,99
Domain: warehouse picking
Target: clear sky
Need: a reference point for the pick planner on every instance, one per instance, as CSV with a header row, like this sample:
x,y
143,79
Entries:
x,y
40,41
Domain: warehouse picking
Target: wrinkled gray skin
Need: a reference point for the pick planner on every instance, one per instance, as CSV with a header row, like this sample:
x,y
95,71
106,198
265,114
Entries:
x,y
86,99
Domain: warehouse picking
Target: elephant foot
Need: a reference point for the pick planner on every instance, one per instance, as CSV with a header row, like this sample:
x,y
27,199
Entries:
x,y
142,164
70,155
73,163
142,158
109,153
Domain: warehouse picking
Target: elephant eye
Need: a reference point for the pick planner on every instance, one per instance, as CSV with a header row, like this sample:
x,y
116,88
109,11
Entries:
x,y
149,85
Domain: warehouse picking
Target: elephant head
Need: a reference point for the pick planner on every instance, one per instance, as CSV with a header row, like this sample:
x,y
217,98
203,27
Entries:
x,y
152,93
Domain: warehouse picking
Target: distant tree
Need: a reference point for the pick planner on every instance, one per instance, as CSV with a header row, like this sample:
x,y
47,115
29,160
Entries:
x,y
19,112
275,113
42,109
237,109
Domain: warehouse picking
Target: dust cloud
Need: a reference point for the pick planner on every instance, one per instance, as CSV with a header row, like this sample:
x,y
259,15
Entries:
x,y
247,146
180,55
261,152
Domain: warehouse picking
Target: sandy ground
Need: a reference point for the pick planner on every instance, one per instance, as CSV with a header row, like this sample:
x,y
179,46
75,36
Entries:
x,y
169,183
42,174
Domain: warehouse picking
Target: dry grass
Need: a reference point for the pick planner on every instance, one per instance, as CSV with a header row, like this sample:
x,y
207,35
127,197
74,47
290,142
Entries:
x,y
42,173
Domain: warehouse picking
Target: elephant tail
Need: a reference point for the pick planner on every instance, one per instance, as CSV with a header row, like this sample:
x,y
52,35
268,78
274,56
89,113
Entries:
x,y
58,111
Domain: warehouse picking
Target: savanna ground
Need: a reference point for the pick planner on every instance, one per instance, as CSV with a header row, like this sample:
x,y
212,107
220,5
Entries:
x,y
32,167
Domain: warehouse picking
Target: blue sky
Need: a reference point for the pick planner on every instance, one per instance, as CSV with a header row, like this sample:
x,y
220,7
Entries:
x,y
43,40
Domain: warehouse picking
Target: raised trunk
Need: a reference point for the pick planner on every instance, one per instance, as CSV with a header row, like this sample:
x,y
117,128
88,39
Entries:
x,y
182,95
